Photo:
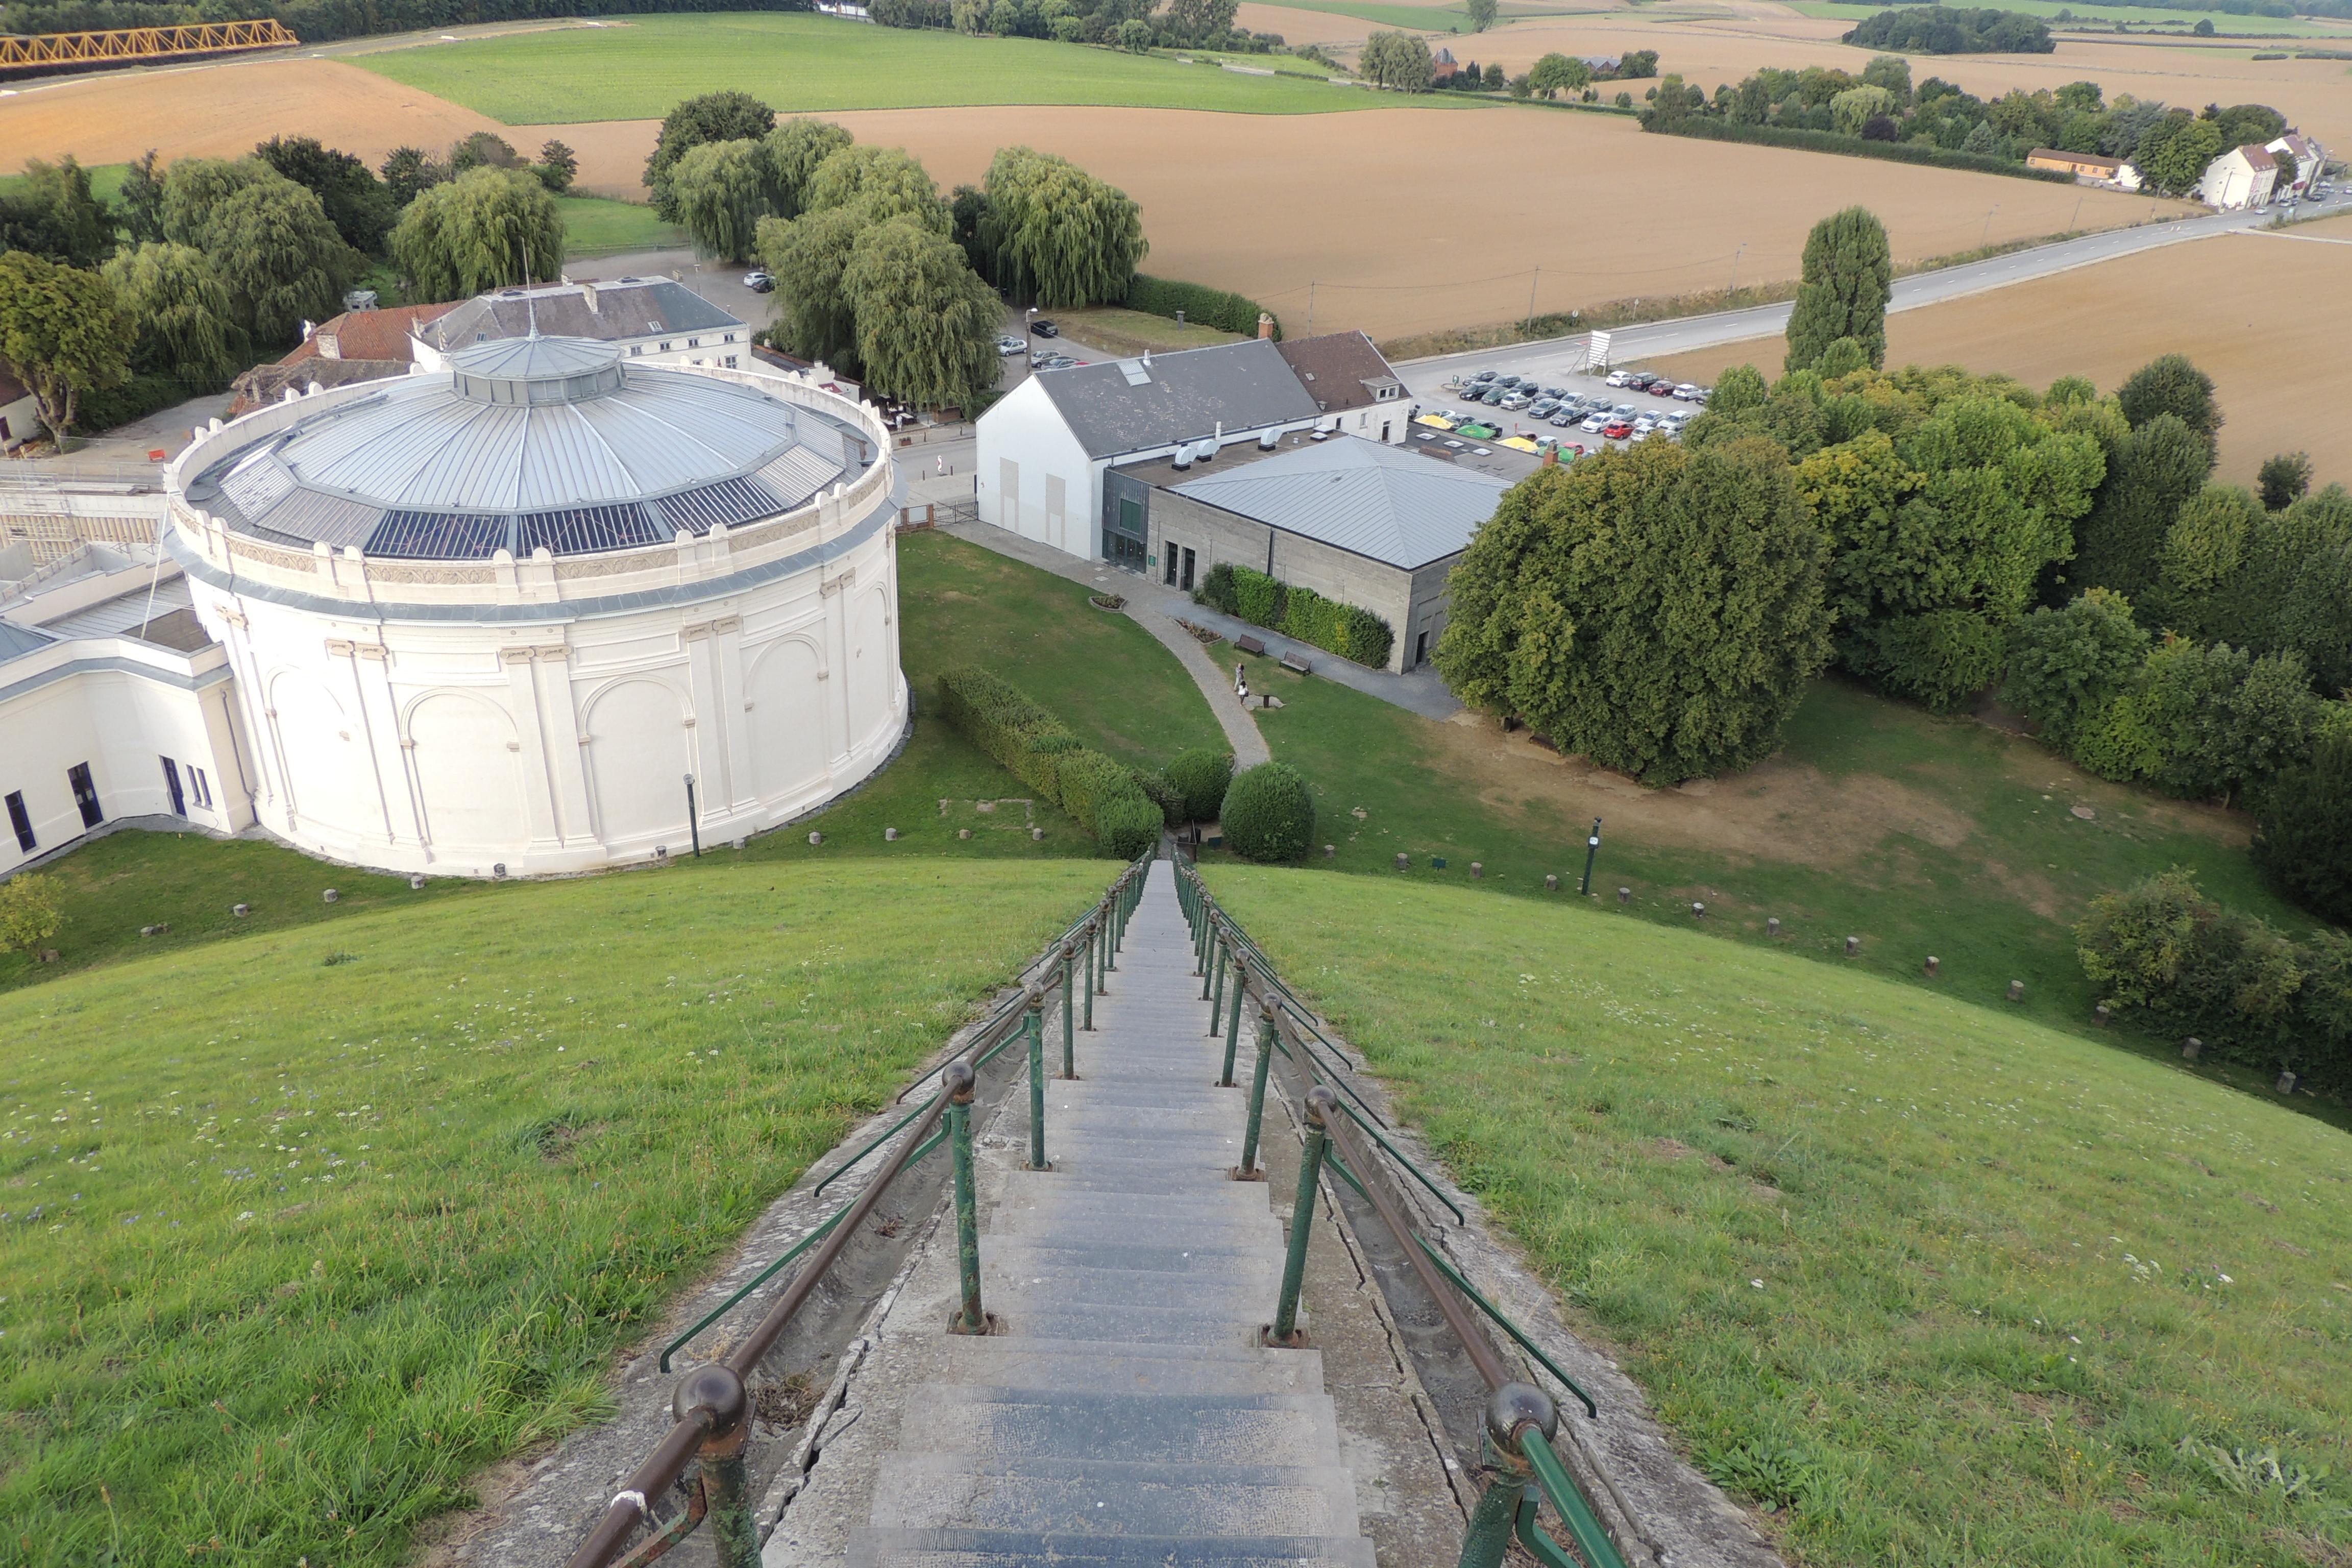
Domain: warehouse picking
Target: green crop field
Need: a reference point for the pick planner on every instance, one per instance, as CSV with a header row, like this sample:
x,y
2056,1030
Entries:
x,y
2138,16
300,1229
1934,1285
801,63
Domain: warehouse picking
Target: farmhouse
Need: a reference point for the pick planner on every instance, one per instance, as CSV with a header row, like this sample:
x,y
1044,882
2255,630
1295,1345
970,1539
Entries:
x,y
549,609
1357,520
2242,177
2297,158
2090,166
1046,447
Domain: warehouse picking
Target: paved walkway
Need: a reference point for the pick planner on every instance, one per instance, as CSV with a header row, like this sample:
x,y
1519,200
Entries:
x,y
1124,1411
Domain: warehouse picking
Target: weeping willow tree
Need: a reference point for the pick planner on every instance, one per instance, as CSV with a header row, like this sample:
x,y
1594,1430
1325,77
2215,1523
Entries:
x,y
1055,234
486,229
884,183
181,318
809,256
927,324
721,191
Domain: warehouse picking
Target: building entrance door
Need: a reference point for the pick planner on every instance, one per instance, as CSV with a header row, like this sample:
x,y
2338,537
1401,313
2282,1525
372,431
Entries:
x,y
172,782
85,794
1187,584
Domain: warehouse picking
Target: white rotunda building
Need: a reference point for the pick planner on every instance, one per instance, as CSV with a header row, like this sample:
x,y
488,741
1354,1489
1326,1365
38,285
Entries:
x,y
510,618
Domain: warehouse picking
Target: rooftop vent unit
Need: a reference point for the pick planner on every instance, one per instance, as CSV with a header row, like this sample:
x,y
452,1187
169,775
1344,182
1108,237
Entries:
x,y
1183,458
1270,441
1203,450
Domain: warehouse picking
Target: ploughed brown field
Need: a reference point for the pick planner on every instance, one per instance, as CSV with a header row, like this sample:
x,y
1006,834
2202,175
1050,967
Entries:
x,y
2284,377
1721,47
1400,230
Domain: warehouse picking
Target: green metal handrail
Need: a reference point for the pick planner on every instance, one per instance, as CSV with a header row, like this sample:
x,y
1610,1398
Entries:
x,y
1398,1155
1517,1335
1568,1500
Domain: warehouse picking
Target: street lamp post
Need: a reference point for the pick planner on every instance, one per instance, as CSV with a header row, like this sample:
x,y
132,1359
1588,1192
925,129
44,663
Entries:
x,y
1734,271
1591,850
1986,236
693,817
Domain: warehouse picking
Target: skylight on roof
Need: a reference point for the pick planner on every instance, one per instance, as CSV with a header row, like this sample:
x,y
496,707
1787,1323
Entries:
x,y
1136,371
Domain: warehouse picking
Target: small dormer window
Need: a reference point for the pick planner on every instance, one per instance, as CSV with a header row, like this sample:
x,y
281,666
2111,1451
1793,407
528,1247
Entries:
x,y
664,348
694,342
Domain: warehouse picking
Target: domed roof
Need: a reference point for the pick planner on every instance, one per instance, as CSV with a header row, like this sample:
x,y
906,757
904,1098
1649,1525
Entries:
x,y
529,443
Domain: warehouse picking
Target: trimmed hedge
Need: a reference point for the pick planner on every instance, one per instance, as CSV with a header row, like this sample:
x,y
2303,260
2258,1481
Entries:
x,y
1269,813
1099,793
1163,793
1302,613
1202,306
1200,778
1712,130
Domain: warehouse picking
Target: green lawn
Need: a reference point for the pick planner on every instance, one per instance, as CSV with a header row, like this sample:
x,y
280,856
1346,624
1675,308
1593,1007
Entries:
x,y
2284,27
105,181
595,226
525,1117
1921,836
1935,1285
803,63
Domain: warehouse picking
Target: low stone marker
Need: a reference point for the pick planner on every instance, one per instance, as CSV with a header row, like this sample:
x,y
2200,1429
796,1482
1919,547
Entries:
x,y
239,910
2285,1084
816,837
1551,884
2017,990
963,833
1773,926
1036,834
1329,850
1698,912
1476,870
416,880
2191,1048
1933,965
333,897
146,931
1854,947
2100,1015
889,835
1625,895
1405,862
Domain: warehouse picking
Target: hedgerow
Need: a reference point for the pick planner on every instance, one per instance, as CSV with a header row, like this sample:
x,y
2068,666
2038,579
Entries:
x,y
1100,794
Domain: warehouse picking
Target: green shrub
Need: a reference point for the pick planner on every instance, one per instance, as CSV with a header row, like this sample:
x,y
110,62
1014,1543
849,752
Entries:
x,y
2164,951
1161,794
1269,813
1301,613
2303,838
2065,665
1200,778
1202,306
2117,742
1943,659
1103,796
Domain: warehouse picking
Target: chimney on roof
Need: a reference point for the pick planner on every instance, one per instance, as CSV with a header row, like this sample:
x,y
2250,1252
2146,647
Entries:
x,y
588,298
329,346
1266,325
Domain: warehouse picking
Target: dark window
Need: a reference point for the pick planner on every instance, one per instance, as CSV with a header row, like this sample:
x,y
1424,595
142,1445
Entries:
x,y
21,820
1421,651
172,782
199,786
85,794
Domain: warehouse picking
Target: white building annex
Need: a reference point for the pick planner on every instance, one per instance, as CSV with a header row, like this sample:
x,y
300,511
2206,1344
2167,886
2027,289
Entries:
x,y
488,619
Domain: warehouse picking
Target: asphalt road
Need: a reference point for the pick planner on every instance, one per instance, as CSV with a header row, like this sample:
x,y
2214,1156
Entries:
x,y
1555,360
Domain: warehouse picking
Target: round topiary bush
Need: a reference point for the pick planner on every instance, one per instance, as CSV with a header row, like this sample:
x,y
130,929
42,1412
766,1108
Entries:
x,y
1269,813
1201,777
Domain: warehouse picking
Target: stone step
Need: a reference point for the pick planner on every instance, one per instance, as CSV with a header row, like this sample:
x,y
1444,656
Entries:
x,y
1044,1364
1172,1326
1140,1428
1021,1549
1108,1497
1075,1196
1232,1293
1058,1249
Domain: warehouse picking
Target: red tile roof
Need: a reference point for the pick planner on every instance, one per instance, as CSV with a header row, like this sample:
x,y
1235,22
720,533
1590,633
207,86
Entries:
x,y
370,334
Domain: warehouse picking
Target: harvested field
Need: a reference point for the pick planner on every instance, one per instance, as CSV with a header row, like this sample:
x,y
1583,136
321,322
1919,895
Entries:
x,y
1429,270
222,109
2278,391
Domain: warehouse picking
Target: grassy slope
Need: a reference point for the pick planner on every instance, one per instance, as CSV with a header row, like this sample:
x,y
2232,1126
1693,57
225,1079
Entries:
x,y
522,1118
1939,1285
1978,838
803,63
1103,674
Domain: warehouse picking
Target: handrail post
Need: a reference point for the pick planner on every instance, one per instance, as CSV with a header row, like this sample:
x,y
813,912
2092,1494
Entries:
x,y
1112,926
1069,1039
1212,959
1320,1103
1032,1024
1234,1021
734,1533
1217,991
1088,976
1247,1170
1510,1410
957,1082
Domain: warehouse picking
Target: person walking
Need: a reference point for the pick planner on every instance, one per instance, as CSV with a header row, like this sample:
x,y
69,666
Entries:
x,y
1241,683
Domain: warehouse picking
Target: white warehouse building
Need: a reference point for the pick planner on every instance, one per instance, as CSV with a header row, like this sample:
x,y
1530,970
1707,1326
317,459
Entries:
x,y
490,619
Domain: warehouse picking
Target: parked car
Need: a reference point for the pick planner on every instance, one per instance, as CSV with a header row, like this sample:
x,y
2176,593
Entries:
x,y
1555,392
1045,329
1517,401
1011,345
1625,411
1483,377
1686,391
759,282
1495,394
1566,417
1593,422
1543,407
1618,378
1646,423
1616,430
1701,395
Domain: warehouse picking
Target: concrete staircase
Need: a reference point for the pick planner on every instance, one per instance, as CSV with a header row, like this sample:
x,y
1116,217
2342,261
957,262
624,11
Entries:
x,y
1125,1413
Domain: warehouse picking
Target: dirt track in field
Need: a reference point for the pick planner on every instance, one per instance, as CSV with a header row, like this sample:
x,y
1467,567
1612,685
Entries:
x,y
222,109
2284,377
1399,233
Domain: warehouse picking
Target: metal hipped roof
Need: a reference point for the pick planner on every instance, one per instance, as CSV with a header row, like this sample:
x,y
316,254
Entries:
x,y
1376,500
1183,397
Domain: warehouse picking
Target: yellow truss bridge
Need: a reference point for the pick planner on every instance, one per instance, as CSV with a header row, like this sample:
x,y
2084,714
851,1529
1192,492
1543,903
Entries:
x,y
131,45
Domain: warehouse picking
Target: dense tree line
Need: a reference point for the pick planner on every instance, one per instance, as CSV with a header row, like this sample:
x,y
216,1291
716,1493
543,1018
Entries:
x,y
200,267
2170,147
1133,24
1953,30
319,21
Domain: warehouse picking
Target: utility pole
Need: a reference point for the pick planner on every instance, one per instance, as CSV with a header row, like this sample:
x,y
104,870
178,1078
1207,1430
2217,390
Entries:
x,y
1531,297
1310,307
1986,236
1734,267
693,817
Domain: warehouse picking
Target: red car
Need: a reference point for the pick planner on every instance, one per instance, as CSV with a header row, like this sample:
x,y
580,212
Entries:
x,y
1618,431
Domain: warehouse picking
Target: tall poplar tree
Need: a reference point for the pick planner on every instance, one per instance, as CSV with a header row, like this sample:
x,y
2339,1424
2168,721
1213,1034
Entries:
x,y
1848,273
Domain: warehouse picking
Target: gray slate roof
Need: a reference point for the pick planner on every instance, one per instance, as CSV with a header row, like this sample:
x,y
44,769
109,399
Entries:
x,y
1184,394
608,312
523,443
1377,500
17,641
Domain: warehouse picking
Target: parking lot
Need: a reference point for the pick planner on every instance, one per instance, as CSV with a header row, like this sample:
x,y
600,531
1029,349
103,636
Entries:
x,y
1594,408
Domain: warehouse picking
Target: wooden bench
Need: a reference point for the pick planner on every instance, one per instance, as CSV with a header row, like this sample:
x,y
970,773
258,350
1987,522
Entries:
x,y
1292,662
1250,645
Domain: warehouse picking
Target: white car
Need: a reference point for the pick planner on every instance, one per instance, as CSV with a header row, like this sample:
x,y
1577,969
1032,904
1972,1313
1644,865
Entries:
x,y
1645,423
1012,345
1618,378
1594,423
758,281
